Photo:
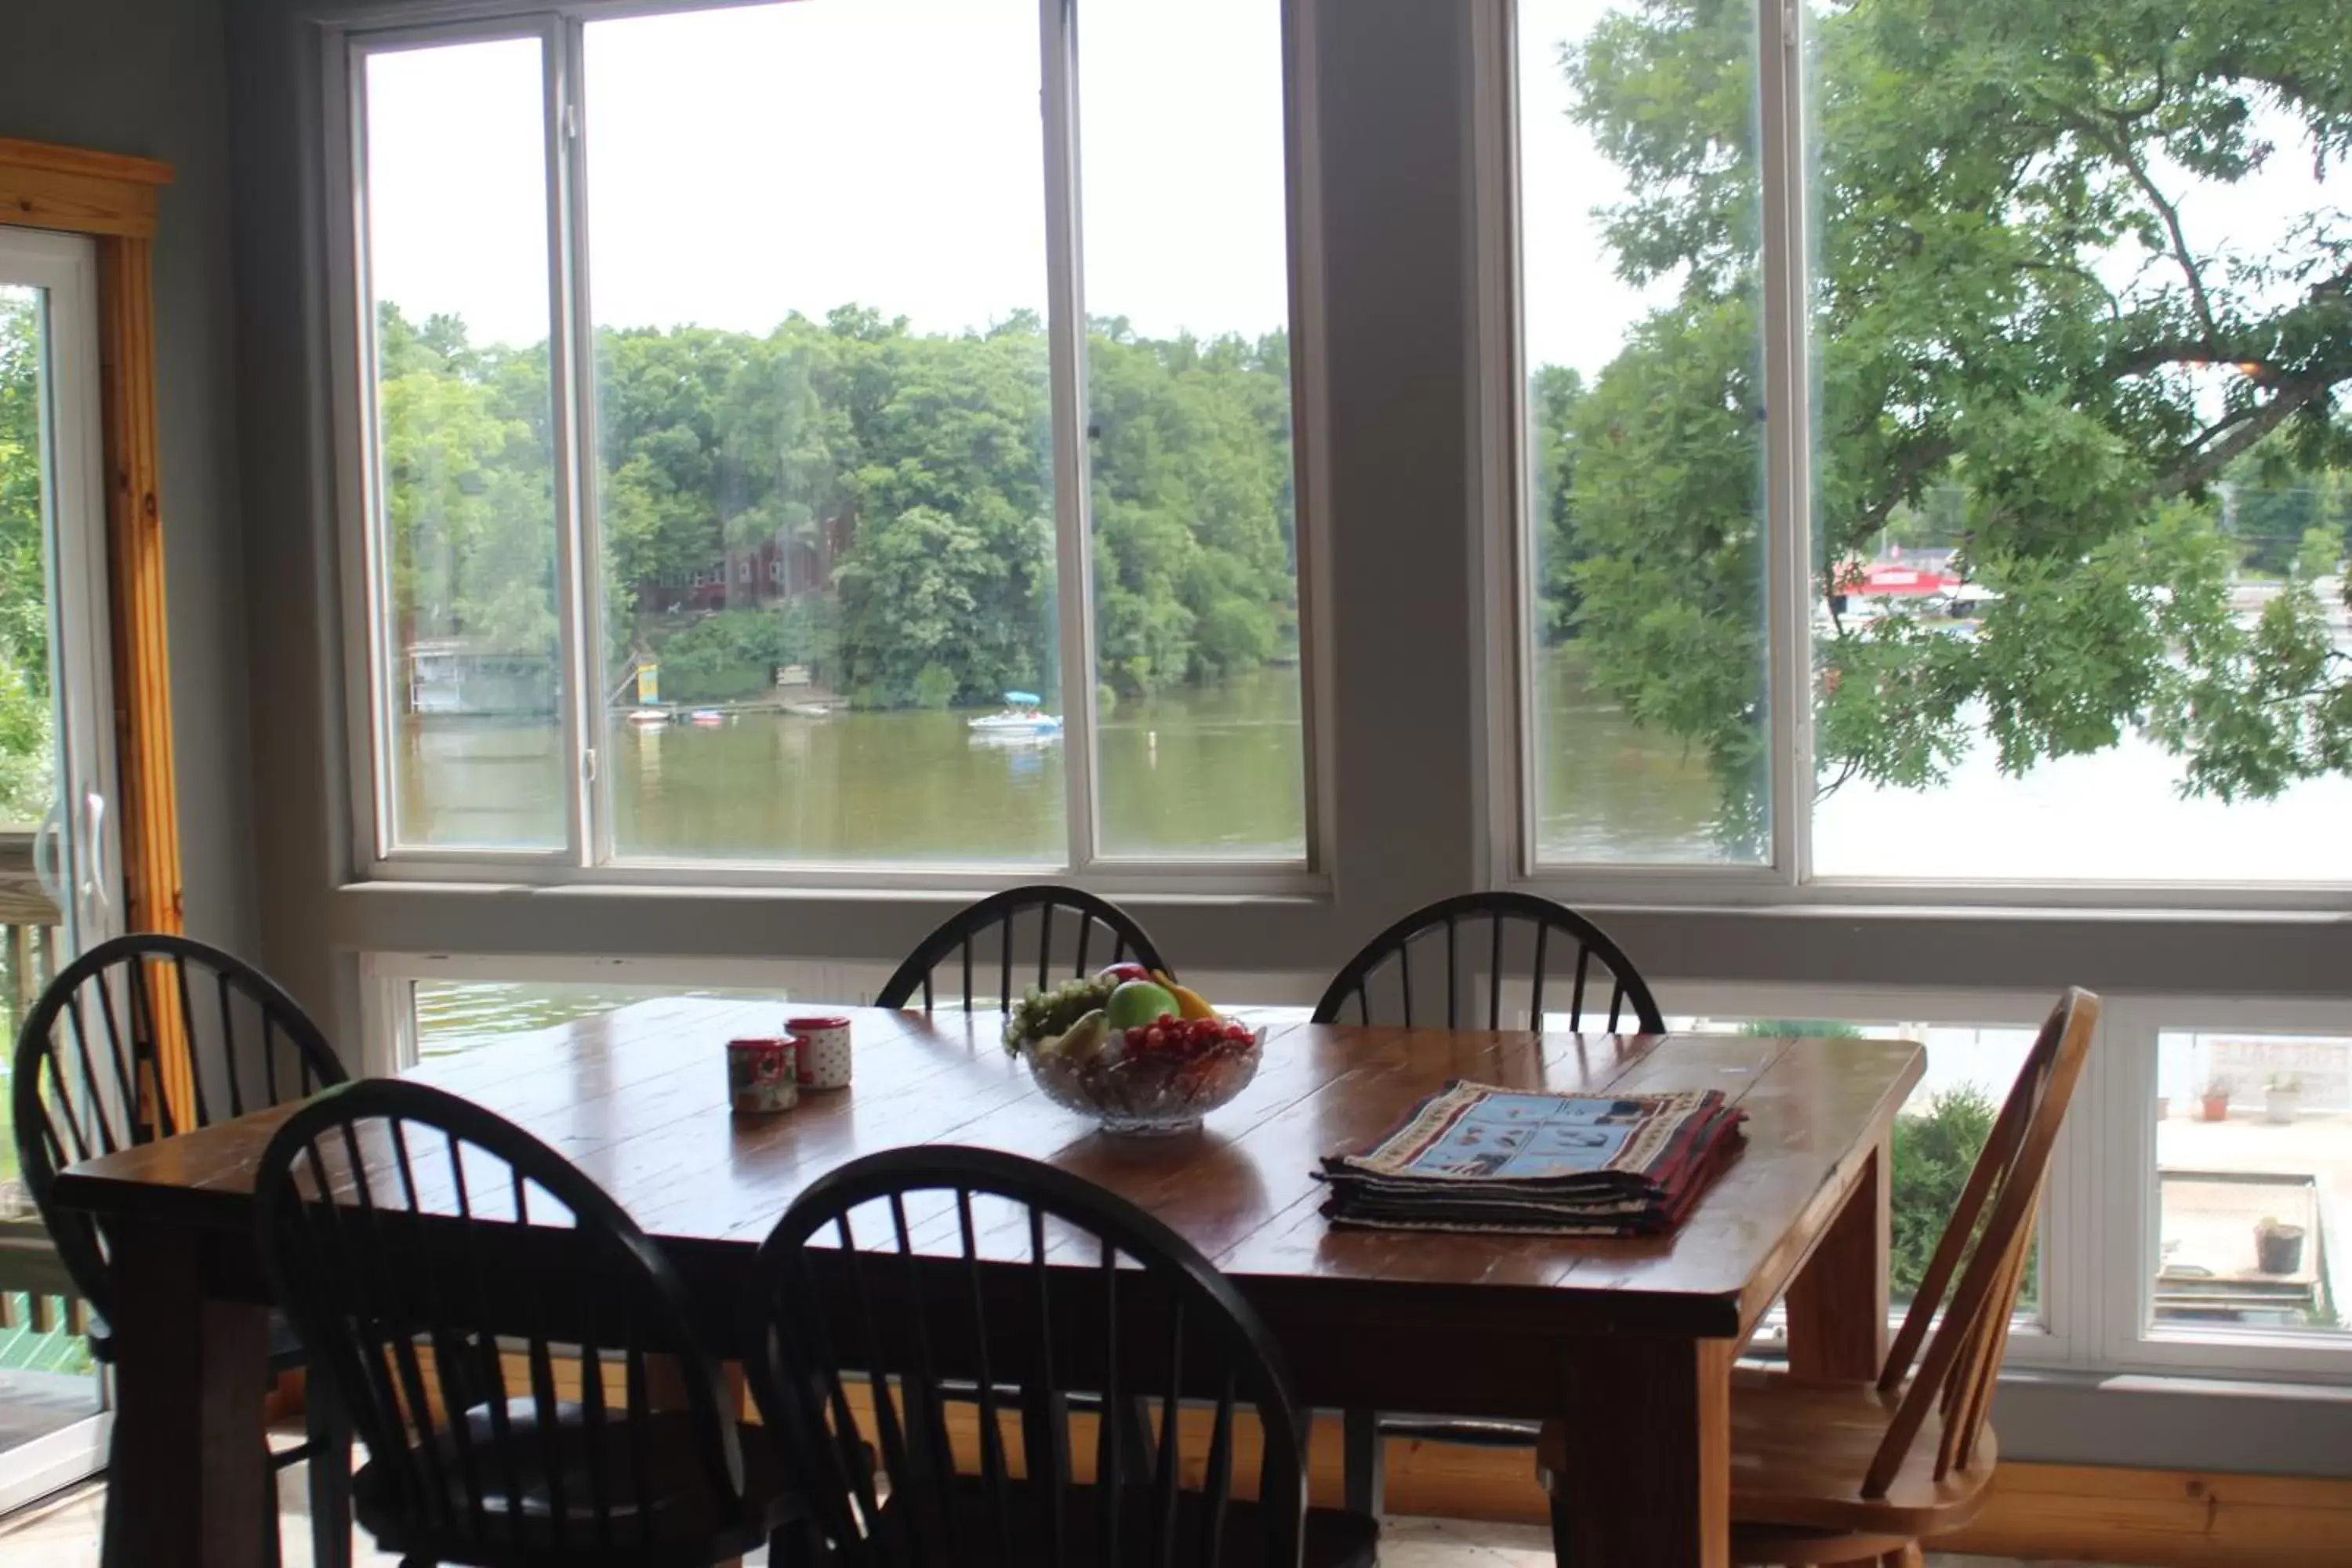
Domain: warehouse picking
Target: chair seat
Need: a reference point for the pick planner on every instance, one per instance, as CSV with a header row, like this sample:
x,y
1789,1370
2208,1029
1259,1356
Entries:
x,y
1800,1450
520,1522
1334,1538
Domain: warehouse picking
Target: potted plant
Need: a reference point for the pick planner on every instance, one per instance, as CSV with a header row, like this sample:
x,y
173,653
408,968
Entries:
x,y
2282,1097
2278,1248
2213,1100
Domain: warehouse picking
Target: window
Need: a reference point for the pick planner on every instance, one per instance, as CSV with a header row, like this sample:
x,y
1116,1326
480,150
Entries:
x,y
470,650
448,1017
1938,463
2253,1168
836,503
1645,497
1196,557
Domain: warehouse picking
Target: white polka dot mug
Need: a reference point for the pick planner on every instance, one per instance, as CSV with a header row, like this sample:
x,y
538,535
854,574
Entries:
x,y
824,1051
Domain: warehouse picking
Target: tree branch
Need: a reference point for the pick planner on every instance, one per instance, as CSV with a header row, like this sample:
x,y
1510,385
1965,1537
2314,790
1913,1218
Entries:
x,y
2116,140
2251,426
1925,456
2121,147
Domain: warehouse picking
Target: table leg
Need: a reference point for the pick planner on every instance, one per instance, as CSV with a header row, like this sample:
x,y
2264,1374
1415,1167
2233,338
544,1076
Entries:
x,y
1837,1303
188,1484
1645,1475
665,1390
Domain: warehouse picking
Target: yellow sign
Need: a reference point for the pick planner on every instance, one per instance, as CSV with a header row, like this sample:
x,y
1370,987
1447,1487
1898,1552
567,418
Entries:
x,y
648,684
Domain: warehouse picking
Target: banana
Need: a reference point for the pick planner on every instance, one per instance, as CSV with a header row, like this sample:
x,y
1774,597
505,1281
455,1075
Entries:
x,y
1190,1003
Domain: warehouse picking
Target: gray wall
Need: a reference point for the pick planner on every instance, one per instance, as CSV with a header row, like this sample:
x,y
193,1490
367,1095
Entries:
x,y
148,76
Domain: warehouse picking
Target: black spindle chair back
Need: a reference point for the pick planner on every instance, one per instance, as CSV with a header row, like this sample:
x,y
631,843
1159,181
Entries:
x,y
916,1279
1494,960
1038,935
142,1037
489,1317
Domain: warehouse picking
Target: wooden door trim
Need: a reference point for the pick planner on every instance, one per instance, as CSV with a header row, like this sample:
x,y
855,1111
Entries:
x,y
78,191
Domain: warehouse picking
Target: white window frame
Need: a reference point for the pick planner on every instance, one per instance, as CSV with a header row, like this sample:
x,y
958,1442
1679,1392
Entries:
x,y
1787,878
587,855
2130,1217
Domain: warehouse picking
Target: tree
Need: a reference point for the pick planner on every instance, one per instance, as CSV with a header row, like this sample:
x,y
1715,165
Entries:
x,y
920,622
26,742
467,464
2009,311
851,495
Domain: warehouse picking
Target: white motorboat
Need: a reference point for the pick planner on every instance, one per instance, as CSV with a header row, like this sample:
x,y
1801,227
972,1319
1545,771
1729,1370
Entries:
x,y
1021,716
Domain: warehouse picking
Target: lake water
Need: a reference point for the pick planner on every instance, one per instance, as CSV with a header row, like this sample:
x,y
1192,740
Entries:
x,y
1216,771
1211,771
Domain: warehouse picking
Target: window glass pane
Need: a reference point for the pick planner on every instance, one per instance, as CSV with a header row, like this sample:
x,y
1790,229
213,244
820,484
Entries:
x,y
1638,200
2085,470
1939,1134
453,1017
2253,1160
458,277
818,278
1187,288
28,738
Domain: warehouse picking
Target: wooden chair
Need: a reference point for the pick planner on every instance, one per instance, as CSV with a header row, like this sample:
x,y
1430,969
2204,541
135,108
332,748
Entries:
x,y
916,1280
1101,933
1866,1472
1500,935
142,1037
1521,934
597,1436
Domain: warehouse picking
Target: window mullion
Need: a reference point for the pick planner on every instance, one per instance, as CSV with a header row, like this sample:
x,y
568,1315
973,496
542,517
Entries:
x,y
559,65
1073,508
1787,438
586,586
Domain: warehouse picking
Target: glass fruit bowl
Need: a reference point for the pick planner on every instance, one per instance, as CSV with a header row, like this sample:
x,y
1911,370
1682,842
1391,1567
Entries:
x,y
1145,1091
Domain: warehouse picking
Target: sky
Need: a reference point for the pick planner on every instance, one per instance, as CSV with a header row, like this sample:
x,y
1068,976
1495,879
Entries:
x,y
746,162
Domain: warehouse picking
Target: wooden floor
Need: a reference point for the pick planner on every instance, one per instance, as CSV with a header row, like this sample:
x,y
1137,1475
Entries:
x,y
63,1533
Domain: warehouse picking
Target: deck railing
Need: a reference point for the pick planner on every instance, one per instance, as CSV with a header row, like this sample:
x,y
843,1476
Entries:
x,y
40,1318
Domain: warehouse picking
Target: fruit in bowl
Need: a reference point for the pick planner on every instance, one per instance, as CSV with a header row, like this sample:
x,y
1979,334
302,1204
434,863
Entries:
x,y
1139,1052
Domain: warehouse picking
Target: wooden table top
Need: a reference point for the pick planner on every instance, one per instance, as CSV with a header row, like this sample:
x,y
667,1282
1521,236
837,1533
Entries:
x,y
637,1099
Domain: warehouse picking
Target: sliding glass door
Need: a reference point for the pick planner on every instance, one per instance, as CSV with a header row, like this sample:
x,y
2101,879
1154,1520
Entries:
x,y
58,834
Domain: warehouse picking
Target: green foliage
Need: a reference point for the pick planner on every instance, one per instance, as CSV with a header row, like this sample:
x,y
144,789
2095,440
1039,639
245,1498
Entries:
x,y
1193,544
1983,167
27,748
891,490
1935,1150
468,487
736,653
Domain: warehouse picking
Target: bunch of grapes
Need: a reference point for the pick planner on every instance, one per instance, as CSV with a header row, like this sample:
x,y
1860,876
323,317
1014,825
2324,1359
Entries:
x,y
1042,1014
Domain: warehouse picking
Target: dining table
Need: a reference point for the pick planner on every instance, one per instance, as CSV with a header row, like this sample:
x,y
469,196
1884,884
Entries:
x,y
1628,1343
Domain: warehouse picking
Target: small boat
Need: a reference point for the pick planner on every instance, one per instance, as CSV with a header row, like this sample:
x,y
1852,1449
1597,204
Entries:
x,y
808,710
1020,717
707,717
649,717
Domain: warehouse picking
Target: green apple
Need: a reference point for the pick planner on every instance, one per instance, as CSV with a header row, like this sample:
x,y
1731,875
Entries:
x,y
1137,1002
